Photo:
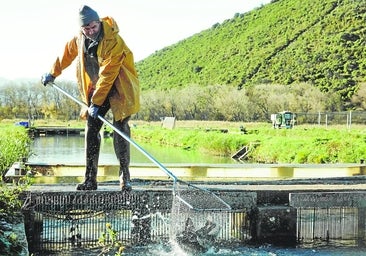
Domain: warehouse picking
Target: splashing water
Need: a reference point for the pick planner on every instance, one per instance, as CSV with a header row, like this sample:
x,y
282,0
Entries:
x,y
199,219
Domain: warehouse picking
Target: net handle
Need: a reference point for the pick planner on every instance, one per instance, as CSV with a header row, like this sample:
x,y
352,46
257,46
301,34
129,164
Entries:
x,y
144,152
105,121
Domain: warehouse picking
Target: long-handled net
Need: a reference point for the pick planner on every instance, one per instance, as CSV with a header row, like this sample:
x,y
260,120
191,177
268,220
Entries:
x,y
191,204
193,196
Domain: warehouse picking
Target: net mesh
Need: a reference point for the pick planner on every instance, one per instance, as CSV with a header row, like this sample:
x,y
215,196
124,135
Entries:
x,y
199,218
198,199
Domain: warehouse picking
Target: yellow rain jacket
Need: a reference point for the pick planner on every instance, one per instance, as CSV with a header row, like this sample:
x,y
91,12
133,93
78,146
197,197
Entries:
x,y
116,67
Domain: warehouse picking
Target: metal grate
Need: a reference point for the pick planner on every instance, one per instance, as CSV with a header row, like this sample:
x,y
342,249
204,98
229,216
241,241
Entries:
x,y
326,224
330,216
65,220
80,229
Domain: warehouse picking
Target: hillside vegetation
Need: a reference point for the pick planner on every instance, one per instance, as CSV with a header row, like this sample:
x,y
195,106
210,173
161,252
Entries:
x,y
307,57
288,42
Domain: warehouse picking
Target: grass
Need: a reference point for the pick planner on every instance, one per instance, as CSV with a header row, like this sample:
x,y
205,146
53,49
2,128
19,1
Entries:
x,y
302,144
14,145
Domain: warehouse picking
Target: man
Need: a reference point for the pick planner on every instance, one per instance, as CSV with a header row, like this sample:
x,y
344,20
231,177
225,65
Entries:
x,y
107,79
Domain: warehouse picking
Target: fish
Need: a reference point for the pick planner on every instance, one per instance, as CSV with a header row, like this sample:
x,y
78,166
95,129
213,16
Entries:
x,y
198,241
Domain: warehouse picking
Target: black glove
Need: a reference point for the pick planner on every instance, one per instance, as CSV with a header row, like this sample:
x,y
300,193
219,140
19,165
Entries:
x,y
47,78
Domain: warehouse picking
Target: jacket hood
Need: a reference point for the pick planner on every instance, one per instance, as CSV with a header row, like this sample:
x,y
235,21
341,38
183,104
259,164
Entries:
x,y
110,26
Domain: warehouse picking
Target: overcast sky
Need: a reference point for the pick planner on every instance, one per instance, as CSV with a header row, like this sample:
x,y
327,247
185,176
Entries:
x,y
34,32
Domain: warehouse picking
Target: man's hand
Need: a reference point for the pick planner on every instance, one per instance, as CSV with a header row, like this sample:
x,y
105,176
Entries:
x,y
47,78
93,110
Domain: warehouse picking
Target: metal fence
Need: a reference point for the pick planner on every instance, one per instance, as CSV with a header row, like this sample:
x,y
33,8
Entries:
x,y
346,118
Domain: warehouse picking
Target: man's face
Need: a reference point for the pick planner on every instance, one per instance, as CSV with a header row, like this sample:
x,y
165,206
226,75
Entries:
x,y
91,30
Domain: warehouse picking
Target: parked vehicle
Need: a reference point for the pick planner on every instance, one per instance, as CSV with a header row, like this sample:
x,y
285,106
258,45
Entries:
x,y
284,119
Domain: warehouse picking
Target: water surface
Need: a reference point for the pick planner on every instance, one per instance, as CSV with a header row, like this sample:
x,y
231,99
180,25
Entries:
x,y
266,250
70,150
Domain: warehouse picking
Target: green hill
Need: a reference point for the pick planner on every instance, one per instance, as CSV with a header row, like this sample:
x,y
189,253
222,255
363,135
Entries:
x,y
320,42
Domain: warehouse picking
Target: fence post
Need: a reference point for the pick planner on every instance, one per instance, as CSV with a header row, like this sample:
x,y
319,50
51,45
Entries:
x,y
350,120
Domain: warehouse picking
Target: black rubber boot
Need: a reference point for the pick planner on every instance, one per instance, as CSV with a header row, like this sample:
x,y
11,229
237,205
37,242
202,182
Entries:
x,y
122,150
87,185
124,180
90,182
92,155
82,186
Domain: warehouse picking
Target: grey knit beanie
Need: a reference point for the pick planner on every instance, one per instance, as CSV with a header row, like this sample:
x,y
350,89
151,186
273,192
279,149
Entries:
x,y
87,15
